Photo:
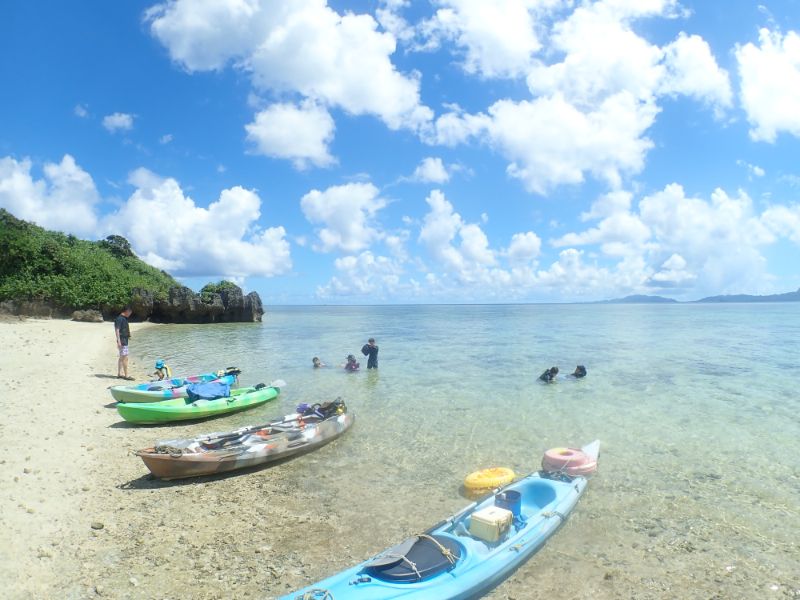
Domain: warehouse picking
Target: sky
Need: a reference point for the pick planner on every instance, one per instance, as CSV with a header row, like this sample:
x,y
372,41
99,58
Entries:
x,y
390,151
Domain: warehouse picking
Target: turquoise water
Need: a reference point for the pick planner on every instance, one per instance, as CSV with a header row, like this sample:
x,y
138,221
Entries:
x,y
696,407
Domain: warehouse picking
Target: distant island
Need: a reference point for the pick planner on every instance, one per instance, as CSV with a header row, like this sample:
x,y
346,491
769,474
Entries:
x,y
638,299
732,298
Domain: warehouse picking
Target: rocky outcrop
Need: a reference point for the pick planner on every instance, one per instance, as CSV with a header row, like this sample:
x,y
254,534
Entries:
x,y
35,308
182,305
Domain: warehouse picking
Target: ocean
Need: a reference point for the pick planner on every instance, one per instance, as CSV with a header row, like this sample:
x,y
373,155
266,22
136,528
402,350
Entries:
x,y
696,406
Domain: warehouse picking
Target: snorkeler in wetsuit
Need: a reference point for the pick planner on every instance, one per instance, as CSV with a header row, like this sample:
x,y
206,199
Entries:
x,y
549,375
580,371
371,350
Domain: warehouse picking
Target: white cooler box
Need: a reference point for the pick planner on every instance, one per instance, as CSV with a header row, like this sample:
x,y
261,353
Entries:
x,y
491,523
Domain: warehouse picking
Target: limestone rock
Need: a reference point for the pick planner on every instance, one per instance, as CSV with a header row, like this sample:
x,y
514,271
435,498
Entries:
x,y
88,316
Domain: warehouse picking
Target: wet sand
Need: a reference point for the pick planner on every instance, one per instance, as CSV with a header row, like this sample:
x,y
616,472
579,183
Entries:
x,y
83,519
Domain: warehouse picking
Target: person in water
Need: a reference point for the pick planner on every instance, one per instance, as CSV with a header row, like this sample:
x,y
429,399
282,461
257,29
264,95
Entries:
x,y
317,362
549,375
371,350
352,364
162,371
580,371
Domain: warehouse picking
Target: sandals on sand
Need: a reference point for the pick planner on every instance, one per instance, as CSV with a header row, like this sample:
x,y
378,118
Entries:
x,y
129,378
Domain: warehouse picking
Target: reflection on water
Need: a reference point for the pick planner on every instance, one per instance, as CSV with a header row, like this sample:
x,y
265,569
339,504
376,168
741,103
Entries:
x,y
695,405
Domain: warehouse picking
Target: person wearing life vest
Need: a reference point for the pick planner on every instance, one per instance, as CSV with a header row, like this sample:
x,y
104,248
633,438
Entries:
x,y
162,370
351,364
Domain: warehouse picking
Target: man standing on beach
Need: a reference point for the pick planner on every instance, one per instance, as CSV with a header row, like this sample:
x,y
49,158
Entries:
x,y
123,332
371,350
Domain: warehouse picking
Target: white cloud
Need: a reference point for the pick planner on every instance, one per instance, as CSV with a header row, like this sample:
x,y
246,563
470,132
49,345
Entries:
x,y
672,240
592,106
346,212
439,228
81,110
570,277
64,199
397,245
770,84
118,122
456,127
468,260
673,272
752,170
301,134
603,56
302,47
169,230
784,221
551,142
376,277
390,19
166,138
693,71
431,170
619,232
498,38
524,247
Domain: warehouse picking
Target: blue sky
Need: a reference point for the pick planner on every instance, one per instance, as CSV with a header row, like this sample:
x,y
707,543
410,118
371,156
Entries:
x,y
412,152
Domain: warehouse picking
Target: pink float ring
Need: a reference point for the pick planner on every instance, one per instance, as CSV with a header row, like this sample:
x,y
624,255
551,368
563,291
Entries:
x,y
587,469
571,461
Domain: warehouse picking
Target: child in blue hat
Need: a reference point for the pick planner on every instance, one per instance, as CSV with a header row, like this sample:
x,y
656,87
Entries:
x,y
162,370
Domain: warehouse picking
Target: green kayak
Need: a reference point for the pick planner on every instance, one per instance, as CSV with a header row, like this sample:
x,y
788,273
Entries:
x,y
183,409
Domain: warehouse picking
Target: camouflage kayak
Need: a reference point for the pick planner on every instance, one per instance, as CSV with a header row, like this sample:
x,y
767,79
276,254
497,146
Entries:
x,y
248,446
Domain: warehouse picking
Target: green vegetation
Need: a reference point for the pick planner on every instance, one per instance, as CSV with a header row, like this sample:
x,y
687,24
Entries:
x,y
37,264
216,288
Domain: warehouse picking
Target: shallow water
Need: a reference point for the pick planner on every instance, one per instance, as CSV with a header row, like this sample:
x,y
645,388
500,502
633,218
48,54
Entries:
x,y
695,405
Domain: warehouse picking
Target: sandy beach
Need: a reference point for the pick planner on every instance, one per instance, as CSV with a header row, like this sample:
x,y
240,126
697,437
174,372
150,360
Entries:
x,y
82,516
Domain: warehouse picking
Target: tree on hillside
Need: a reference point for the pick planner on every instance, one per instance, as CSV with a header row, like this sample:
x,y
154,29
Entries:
x,y
118,246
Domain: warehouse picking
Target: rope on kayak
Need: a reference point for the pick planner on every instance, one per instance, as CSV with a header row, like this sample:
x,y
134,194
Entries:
x,y
554,513
447,553
316,594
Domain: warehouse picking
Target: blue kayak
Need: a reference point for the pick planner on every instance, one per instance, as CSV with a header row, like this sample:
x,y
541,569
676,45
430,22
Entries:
x,y
469,553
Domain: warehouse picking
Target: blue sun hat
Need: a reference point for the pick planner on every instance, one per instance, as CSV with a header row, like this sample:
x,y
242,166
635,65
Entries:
x,y
159,364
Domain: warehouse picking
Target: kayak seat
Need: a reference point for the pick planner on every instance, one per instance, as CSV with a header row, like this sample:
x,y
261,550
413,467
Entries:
x,y
418,558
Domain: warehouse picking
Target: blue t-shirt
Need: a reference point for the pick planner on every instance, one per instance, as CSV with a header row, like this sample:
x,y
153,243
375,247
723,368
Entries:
x,y
121,323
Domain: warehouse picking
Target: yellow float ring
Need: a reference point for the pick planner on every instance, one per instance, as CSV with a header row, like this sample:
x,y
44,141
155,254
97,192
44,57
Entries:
x,y
487,479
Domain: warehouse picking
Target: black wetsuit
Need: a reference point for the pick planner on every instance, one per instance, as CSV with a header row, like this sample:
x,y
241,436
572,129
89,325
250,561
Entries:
x,y
372,352
547,376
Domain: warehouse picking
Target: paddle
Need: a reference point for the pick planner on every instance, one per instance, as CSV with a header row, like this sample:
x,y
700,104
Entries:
x,y
234,436
277,383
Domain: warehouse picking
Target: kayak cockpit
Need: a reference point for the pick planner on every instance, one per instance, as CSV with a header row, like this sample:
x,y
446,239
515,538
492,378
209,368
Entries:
x,y
416,559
